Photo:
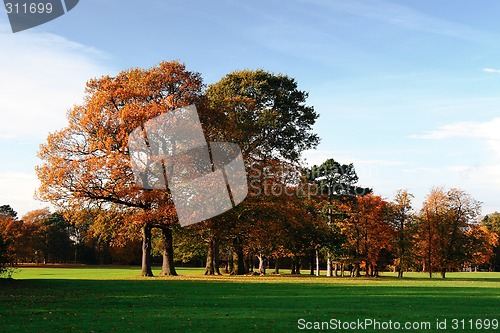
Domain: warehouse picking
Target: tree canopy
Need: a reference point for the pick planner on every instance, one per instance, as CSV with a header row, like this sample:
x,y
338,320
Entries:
x,y
267,114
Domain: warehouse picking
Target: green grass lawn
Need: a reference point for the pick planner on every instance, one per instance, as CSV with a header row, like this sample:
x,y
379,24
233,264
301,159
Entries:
x,y
119,300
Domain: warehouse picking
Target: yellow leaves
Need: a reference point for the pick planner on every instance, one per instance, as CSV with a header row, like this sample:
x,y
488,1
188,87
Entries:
x,y
36,216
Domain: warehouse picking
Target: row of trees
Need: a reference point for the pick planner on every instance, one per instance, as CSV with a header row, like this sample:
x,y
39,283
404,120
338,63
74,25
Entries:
x,y
341,232
41,236
291,215
87,164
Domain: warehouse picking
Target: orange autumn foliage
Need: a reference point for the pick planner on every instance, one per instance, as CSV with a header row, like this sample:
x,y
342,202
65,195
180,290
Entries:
x,y
86,164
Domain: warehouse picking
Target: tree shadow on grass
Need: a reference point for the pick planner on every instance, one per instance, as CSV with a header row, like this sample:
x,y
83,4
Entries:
x,y
174,305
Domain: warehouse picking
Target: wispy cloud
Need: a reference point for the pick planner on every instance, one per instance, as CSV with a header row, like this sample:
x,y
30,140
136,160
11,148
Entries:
x,y
317,157
43,75
405,17
488,131
491,70
18,189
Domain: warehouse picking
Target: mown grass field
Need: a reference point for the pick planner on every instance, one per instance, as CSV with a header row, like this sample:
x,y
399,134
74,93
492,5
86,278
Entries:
x,y
119,300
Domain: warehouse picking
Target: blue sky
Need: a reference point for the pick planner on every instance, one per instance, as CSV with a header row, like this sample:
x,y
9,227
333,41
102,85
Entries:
x,y
409,91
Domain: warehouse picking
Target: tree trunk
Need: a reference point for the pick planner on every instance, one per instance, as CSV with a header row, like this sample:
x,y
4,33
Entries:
x,y
336,269
443,273
230,262
216,257
249,263
262,264
356,270
295,265
209,268
146,251
277,265
167,268
328,265
342,269
317,262
238,260
312,259
429,251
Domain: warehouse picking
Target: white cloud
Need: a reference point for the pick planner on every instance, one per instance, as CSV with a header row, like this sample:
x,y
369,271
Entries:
x,y
42,76
17,190
488,131
316,157
491,70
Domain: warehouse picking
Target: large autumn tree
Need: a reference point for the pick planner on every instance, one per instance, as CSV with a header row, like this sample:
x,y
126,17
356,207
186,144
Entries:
x,y
445,218
368,233
267,116
87,163
481,247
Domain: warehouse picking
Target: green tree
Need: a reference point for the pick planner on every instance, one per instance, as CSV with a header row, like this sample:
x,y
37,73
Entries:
x,y
7,211
267,116
492,222
335,183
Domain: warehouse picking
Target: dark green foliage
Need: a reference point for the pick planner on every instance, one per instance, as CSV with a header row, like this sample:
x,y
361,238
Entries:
x,y
7,211
53,240
336,181
492,222
335,184
266,114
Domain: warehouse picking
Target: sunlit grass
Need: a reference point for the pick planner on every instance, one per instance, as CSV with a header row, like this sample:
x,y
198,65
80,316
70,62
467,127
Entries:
x,y
94,299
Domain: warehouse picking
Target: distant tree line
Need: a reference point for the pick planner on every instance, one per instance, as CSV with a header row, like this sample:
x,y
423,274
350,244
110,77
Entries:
x,y
345,235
